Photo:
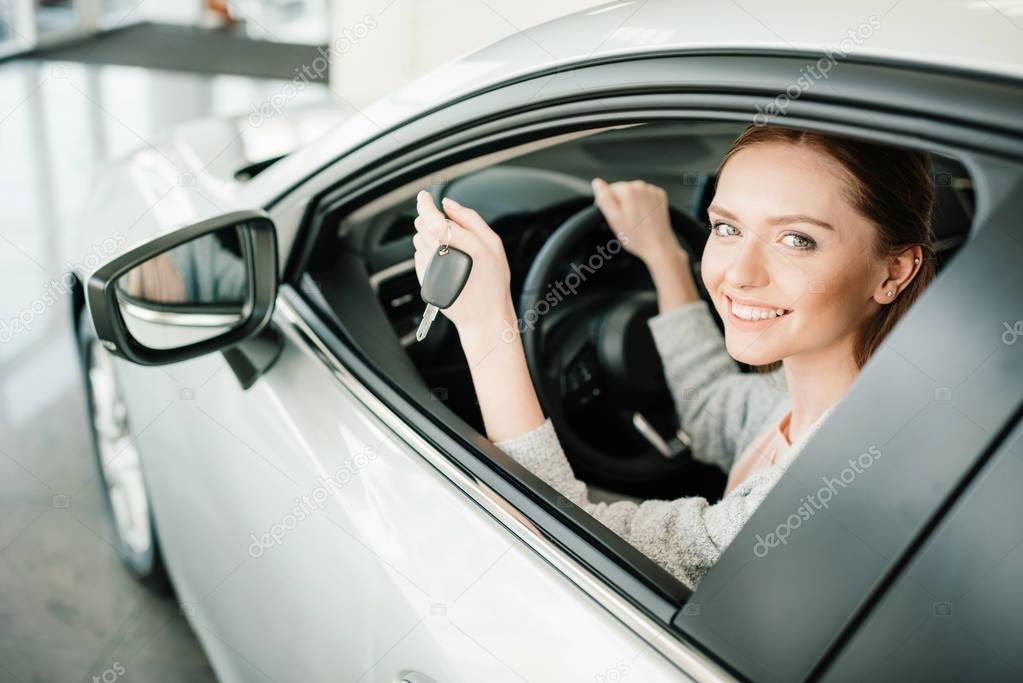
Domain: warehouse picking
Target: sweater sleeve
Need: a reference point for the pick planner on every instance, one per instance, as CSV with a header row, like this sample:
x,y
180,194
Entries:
x,y
721,409
685,536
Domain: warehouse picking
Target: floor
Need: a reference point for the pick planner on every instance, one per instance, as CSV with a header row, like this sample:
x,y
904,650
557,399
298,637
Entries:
x,y
68,611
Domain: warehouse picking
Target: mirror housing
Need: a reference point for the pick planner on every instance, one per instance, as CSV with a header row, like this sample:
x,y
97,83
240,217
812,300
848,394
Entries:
x,y
195,325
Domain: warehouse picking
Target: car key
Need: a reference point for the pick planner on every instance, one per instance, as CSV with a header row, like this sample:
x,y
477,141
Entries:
x,y
444,279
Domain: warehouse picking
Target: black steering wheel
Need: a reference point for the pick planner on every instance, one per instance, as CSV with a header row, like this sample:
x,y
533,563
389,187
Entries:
x,y
596,369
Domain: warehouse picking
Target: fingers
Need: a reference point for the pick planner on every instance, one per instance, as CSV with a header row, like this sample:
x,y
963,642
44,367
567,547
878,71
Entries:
x,y
426,247
621,197
423,254
432,230
431,219
472,221
606,200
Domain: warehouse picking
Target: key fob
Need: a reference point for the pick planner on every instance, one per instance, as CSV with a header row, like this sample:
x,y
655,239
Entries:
x,y
445,277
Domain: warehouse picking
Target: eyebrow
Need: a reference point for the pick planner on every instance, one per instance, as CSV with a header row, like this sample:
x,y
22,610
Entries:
x,y
776,220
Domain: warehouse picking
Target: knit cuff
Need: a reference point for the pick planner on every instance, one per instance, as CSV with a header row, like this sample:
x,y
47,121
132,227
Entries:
x,y
534,445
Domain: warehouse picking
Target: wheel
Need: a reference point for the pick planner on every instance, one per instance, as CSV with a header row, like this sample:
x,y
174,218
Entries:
x,y
119,466
597,371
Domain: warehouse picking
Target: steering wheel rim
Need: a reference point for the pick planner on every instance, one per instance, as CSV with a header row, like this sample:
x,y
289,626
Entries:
x,y
647,473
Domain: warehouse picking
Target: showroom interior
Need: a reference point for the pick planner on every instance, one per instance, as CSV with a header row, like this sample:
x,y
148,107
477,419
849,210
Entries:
x,y
83,83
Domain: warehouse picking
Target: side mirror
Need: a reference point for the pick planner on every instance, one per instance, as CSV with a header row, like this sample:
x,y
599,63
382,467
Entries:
x,y
199,289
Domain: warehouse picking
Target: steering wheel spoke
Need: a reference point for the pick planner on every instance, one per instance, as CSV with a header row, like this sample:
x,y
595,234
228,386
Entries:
x,y
580,378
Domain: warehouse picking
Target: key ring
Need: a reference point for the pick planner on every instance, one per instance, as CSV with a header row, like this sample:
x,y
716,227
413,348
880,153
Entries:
x,y
446,244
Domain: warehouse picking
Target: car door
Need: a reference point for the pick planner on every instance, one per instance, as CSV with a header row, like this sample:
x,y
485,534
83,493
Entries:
x,y
308,541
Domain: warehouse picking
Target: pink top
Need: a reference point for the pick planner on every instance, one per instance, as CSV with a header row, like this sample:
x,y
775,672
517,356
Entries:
x,y
767,449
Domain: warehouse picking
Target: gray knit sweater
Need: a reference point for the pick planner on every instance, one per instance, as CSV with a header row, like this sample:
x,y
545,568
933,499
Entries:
x,y
722,410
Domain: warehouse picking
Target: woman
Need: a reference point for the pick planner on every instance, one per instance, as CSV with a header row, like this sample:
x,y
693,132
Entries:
x,y
817,245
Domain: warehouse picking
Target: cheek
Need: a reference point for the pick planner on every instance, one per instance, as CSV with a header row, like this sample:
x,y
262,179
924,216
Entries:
x,y
829,307
712,267
712,272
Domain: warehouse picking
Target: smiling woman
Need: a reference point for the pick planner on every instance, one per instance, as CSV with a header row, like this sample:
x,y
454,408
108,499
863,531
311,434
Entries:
x,y
838,225
817,244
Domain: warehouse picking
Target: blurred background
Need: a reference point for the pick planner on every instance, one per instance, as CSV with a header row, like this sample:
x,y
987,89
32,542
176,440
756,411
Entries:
x,y
84,82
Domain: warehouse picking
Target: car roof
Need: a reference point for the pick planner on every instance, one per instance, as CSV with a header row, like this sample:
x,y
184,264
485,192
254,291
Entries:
x,y
976,35
981,36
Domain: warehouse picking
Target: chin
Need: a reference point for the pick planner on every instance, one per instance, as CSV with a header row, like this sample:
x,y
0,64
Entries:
x,y
743,352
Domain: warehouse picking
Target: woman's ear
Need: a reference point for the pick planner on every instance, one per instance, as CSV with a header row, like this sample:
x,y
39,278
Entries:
x,y
902,268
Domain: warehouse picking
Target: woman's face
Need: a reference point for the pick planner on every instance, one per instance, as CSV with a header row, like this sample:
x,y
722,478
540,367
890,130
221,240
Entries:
x,y
785,239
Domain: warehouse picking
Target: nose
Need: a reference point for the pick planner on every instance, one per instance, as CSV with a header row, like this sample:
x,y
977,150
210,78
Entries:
x,y
746,267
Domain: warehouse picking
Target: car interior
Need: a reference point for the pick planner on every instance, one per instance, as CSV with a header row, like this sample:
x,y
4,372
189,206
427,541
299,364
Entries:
x,y
590,353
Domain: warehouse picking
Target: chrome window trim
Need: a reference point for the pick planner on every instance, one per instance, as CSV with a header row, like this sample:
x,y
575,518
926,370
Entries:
x,y
686,658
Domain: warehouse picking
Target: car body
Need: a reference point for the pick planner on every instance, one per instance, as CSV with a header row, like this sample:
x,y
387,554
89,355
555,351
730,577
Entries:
x,y
324,514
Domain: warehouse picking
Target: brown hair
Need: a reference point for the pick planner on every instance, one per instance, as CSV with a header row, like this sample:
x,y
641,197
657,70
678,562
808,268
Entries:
x,y
890,186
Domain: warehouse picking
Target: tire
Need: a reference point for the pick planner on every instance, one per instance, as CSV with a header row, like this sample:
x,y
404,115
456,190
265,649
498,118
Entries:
x,y
118,465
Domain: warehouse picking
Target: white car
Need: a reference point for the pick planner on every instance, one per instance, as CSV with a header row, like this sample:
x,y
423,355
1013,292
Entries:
x,y
315,483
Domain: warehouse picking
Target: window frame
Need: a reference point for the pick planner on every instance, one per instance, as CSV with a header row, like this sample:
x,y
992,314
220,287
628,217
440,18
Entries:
x,y
978,131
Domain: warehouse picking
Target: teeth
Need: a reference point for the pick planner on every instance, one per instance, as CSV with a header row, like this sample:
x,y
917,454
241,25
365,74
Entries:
x,y
756,313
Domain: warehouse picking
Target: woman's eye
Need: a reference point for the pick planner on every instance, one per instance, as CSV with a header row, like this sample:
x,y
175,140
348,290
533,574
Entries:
x,y
797,241
717,229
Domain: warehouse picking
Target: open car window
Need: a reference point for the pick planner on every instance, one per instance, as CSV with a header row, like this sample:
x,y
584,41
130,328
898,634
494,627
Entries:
x,y
526,193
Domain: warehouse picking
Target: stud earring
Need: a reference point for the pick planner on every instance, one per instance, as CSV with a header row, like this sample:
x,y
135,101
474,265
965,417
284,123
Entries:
x,y
916,259
889,292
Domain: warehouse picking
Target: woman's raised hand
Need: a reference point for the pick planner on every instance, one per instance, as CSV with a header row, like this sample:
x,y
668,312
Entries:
x,y
485,302
638,213
483,314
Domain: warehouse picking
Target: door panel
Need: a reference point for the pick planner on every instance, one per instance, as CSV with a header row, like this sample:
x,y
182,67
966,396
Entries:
x,y
957,611
307,542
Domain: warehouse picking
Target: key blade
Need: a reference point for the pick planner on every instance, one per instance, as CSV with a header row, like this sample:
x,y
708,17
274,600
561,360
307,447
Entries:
x,y
428,315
